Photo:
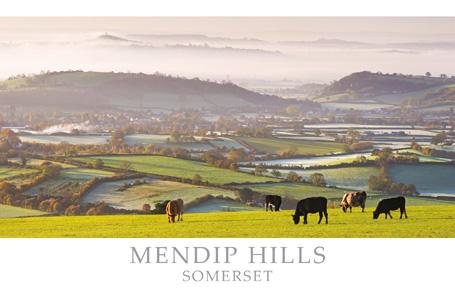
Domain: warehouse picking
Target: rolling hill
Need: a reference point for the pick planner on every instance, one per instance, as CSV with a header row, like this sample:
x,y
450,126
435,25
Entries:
x,y
76,90
384,88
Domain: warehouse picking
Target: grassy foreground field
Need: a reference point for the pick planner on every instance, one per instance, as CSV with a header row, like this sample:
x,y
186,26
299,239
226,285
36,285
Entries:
x,y
167,166
426,221
277,145
14,212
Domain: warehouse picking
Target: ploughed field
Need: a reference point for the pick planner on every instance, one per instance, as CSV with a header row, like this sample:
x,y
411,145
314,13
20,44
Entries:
x,y
423,221
168,166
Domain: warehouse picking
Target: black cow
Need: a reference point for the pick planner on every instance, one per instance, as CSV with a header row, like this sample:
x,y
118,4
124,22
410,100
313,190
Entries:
x,y
387,205
272,202
311,205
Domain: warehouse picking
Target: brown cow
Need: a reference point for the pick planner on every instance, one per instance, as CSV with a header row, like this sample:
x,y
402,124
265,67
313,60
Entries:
x,y
353,199
174,208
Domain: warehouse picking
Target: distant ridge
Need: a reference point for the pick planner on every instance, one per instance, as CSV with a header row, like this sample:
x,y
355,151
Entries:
x,y
109,90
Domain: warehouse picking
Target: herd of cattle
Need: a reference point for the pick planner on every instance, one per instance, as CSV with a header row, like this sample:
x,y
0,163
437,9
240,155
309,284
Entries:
x,y
311,206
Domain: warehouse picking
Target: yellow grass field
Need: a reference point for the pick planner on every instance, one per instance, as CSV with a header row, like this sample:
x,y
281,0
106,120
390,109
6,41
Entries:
x,y
423,222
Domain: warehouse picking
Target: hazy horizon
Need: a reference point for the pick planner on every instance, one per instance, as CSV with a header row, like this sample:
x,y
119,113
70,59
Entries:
x,y
390,44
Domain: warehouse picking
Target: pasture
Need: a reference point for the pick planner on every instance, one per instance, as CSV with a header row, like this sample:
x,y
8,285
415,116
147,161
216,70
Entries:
x,y
167,166
300,191
7,172
423,222
153,191
68,181
280,145
14,212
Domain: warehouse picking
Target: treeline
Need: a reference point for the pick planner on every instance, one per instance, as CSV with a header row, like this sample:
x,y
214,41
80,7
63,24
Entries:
x,y
433,152
66,204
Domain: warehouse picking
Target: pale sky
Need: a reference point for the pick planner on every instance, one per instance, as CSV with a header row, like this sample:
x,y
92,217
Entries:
x,y
30,45
379,29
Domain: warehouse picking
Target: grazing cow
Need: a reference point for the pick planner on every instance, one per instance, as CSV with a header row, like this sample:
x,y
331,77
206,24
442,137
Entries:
x,y
353,199
387,205
311,205
174,208
272,202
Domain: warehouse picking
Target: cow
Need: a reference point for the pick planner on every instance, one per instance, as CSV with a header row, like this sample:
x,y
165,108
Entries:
x,y
387,205
174,208
272,202
353,199
311,205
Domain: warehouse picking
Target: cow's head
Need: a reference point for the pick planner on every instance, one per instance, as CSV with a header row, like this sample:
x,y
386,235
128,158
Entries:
x,y
296,219
343,207
375,215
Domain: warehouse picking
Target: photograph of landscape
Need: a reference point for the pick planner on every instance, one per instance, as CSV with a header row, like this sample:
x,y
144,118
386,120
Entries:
x,y
246,127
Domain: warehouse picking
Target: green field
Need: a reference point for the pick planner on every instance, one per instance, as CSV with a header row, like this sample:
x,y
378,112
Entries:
x,y
300,191
68,181
14,212
423,221
303,147
296,190
167,166
11,172
155,190
38,162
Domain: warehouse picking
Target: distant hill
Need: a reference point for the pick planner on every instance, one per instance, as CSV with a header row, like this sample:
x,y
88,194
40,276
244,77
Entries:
x,y
75,90
388,88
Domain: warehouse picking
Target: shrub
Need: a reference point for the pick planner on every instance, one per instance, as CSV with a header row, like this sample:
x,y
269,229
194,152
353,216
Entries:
x,y
317,179
197,179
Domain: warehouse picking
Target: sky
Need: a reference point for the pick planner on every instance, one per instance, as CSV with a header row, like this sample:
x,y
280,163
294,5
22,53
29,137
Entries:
x,y
269,28
32,44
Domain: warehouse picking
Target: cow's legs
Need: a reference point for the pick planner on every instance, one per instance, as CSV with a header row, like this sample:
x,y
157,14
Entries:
x,y
326,217
320,217
266,207
350,209
390,215
363,208
305,215
385,215
403,211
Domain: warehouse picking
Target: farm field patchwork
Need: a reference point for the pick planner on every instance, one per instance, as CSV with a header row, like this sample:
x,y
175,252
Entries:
x,y
11,172
68,181
167,166
279,145
423,221
153,191
14,212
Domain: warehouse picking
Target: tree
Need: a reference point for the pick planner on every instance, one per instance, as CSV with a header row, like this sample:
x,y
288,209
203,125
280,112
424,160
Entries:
x,y
293,177
259,170
292,110
428,74
439,138
98,164
126,166
317,179
276,173
197,179
246,195
50,170
146,208
23,159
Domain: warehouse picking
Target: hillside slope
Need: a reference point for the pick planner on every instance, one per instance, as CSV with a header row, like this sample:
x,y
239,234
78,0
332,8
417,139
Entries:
x,y
94,90
389,88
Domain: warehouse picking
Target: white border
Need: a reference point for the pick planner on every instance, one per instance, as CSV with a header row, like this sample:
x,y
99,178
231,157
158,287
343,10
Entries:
x,y
228,8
